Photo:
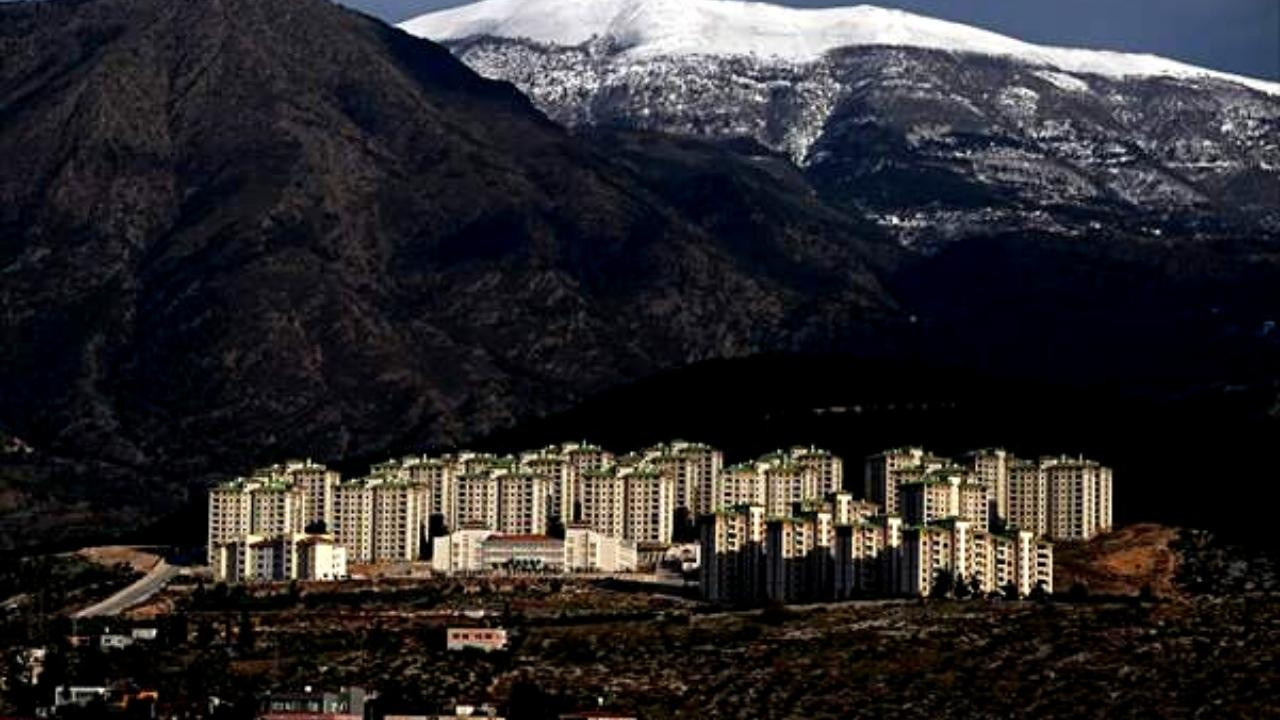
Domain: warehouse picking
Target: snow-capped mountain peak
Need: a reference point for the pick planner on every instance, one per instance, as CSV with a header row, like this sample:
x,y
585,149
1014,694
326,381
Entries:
x,y
649,28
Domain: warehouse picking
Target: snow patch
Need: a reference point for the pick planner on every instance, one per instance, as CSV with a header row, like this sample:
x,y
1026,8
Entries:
x,y
649,28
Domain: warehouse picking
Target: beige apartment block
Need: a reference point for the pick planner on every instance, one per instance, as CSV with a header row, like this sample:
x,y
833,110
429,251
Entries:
x,y
523,503
828,469
649,505
475,500
602,497
732,569
742,484
353,519
552,465
398,520
437,475
696,469
1079,497
991,466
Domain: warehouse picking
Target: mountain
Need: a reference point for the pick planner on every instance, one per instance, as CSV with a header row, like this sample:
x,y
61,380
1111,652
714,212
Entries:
x,y
936,130
233,231
238,229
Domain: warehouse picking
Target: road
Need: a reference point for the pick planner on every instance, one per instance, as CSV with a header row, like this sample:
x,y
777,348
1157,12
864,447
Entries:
x,y
139,591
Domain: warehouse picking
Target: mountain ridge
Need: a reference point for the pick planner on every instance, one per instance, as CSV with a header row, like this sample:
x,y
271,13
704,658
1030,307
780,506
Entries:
x,y
654,28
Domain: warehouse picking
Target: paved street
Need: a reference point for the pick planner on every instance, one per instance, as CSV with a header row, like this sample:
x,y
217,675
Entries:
x,y
138,592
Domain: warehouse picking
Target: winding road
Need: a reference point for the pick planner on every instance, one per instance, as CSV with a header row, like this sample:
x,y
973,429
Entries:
x,y
142,589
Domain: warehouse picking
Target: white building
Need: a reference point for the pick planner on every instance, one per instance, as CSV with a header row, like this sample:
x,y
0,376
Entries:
x,y
581,551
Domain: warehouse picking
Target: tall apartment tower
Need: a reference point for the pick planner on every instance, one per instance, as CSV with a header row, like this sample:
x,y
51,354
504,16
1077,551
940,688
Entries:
x,y
649,505
602,501
742,484
991,466
732,569
475,501
436,475
552,465
583,457
696,470
1079,497
317,482
398,520
1028,498
230,512
353,519
522,503
787,483
278,509
828,470
886,472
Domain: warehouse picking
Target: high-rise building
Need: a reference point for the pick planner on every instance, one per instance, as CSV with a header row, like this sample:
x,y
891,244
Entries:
x,y
991,467
475,500
552,465
649,505
353,519
1028,500
889,470
742,484
602,501
522,503
696,470
732,569
1079,497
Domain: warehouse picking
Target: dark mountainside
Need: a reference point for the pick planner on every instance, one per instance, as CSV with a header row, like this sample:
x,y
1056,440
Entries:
x,y
233,231
236,229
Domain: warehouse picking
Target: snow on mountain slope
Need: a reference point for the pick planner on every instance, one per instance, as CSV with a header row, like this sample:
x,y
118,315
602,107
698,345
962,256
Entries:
x,y
649,28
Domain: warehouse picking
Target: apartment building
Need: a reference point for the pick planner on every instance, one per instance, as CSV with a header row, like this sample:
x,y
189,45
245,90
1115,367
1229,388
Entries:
x,y
886,473
649,504
991,467
230,512
828,470
522,503
799,558
732,543
1079,497
352,519
1028,502
277,509
602,501
399,519
475,499
437,476
696,469
254,558
552,465
741,484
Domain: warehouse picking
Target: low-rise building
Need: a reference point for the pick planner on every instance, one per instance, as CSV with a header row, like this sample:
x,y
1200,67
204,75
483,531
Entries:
x,y
487,639
582,550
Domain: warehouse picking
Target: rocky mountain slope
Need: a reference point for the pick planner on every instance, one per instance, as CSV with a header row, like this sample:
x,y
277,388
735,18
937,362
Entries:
x,y
935,129
233,229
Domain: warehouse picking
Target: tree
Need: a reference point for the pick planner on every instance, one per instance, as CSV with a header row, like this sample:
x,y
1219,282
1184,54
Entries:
x,y
944,584
1040,593
1079,592
1010,591
246,637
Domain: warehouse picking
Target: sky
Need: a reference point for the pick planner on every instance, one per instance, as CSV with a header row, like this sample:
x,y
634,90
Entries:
x,y
1240,36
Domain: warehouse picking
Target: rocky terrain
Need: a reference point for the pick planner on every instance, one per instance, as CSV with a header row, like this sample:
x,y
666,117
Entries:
x,y
236,229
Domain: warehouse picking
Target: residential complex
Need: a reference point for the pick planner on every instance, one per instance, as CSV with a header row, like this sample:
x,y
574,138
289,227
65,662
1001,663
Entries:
x,y
782,527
